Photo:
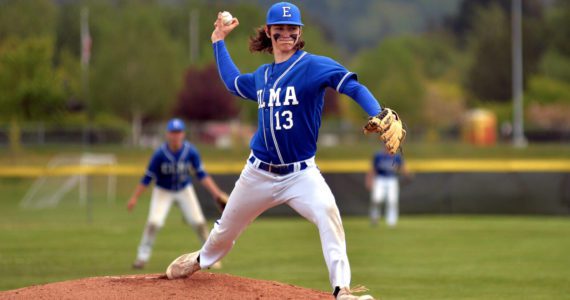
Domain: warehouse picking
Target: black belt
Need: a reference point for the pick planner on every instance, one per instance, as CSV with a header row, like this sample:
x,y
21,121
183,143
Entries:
x,y
278,169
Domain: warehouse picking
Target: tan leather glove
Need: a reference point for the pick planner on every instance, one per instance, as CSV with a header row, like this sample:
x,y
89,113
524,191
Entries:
x,y
389,125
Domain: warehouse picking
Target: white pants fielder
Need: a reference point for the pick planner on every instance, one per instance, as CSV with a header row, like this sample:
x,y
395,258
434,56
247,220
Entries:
x,y
160,204
305,191
385,189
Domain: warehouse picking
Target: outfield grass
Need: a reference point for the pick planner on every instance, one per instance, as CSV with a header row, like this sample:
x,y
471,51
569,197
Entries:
x,y
361,150
425,257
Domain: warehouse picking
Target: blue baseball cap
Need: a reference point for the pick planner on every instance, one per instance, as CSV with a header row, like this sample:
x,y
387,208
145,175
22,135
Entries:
x,y
175,125
284,13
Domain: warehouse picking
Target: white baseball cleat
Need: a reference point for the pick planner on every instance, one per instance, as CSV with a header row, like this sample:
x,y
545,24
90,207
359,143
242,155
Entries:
x,y
139,264
183,266
345,293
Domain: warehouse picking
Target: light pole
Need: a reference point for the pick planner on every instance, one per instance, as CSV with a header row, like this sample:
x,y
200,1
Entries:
x,y
519,140
194,35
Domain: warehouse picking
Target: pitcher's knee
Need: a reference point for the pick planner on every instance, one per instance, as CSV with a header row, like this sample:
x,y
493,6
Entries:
x,y
328,209
332,210
152,227
336,256
331,229
194,221
323,214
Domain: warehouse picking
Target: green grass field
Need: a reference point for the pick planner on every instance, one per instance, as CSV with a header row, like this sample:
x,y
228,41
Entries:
x,y
362,150
425,257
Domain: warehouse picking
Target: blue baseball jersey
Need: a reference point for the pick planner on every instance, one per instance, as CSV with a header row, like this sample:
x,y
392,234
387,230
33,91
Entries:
x,y
171,170
387,165
290,98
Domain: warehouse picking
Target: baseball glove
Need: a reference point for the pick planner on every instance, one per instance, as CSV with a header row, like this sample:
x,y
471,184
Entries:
x,y
389,125
221,201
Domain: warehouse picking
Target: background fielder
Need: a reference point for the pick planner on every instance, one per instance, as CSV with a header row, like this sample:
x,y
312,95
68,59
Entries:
x,y
382,181
170,167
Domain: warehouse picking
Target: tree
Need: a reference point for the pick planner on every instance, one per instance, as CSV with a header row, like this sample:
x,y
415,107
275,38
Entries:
x,y
30,89
559,27
136,66
331,106
466,19
204,97
555,63
25,19
490,76
391,73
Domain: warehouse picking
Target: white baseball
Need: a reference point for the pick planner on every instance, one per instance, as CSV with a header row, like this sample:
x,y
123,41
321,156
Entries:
x,y
227,18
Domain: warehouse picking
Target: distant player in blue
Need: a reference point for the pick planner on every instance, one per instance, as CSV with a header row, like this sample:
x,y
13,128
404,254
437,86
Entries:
x,y
170,168
281,168
382,180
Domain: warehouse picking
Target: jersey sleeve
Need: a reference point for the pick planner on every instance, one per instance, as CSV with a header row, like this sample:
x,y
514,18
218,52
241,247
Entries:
x,y
242,85
362,96
197,164
329,73
152,169
245,86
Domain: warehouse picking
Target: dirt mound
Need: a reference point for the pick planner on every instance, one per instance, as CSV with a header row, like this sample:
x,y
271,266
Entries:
x,y
201,285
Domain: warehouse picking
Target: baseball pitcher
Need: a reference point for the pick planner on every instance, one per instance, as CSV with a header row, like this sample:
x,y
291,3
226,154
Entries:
x,y
281,168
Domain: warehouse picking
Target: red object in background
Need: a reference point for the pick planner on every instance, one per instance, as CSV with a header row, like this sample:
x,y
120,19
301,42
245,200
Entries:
x,y
204,97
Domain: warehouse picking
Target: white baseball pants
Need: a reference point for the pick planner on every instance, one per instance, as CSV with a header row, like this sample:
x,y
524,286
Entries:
x,y
385,189
160,204
305,191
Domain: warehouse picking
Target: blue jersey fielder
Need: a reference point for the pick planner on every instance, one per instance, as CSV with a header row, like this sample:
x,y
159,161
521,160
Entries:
x,y
171,170
290,98
387,165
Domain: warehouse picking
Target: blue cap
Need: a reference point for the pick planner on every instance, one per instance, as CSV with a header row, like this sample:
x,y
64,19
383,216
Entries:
x,y
284,13
175,125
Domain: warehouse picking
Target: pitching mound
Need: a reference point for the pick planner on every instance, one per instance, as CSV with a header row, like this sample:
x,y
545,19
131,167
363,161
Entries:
x,y
201,285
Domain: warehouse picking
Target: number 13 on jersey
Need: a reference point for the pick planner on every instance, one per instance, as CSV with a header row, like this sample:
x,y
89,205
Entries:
x,y
287,117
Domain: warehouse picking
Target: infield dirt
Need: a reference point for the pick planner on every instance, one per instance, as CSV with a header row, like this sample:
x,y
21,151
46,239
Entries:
x,y
202,285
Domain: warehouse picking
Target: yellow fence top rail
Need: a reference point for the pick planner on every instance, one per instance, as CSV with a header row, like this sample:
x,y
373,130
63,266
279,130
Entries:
x,y
327,166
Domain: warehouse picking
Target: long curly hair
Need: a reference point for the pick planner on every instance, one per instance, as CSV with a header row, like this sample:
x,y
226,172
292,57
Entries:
x,y
260,42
